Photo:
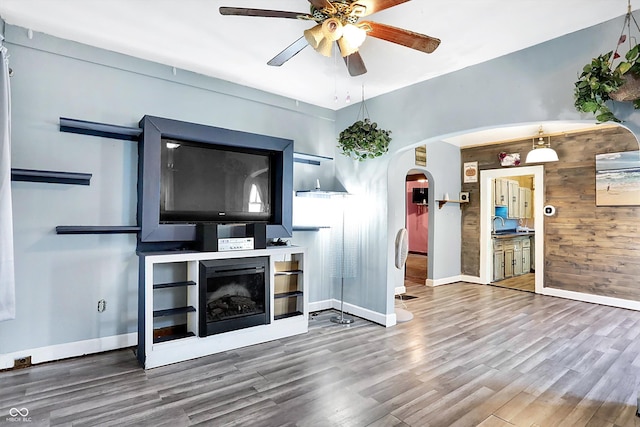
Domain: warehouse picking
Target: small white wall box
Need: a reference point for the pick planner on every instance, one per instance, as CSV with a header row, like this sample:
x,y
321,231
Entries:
x,y
464,196
549,210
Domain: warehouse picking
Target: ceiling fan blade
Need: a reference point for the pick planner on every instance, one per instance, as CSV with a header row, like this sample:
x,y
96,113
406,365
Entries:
x,y
354,63
243,11
373,6
289,52
320,4
401,36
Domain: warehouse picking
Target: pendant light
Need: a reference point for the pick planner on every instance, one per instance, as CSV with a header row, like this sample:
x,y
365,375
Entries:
x,y
542,151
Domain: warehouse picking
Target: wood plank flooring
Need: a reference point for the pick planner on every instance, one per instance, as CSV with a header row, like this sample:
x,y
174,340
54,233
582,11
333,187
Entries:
x,y
416,268
525,282
473,355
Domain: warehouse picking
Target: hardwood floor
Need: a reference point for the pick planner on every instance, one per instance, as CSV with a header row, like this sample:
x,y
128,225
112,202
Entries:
x,y
525,282
416,268
473,355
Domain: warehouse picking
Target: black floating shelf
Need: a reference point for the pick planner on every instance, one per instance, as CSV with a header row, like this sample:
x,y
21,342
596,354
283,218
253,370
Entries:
x,y
173,284
310,159
284,316
308,228
99,129
53,177
96,229
288,294
173,311
166,338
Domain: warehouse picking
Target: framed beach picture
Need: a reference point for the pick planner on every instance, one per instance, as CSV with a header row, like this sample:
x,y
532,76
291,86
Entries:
x,y
618,179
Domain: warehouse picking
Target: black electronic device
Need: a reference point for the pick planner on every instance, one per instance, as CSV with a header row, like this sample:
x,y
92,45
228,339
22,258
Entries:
x,y
420,196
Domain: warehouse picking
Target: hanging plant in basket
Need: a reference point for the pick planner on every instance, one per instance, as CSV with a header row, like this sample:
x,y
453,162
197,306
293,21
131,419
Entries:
x,y
601,82
364,139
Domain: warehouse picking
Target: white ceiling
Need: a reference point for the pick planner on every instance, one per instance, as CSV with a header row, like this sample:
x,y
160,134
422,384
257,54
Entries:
x,y
192,35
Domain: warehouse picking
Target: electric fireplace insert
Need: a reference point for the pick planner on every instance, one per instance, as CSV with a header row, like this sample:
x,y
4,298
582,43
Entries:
x,y
233,294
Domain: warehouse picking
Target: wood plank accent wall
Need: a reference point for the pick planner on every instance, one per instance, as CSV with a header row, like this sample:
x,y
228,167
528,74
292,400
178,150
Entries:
x,y
588,249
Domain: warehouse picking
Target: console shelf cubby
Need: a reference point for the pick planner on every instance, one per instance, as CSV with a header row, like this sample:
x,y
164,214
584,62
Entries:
x,y
174,284
174,311
288,294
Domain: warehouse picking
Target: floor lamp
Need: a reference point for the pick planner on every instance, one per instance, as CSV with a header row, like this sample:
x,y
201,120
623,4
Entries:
x,y
341,262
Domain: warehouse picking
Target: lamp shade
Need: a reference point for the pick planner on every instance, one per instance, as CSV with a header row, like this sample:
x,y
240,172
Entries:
x,y
542,155
542,151
314,36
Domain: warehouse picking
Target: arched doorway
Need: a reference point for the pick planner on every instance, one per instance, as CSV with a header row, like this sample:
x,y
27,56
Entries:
x,y
417,225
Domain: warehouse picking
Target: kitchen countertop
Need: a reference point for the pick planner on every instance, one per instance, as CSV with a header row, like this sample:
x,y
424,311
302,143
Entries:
x,y
509,234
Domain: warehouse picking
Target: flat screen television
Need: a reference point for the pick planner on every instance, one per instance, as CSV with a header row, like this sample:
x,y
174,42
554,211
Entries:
x,y
190,174
420,196
212,183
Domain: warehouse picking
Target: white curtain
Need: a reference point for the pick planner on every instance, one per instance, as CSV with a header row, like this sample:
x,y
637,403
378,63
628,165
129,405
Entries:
x,y
7,277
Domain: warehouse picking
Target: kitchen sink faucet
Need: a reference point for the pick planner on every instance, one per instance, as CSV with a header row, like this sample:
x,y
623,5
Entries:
x,y
493,223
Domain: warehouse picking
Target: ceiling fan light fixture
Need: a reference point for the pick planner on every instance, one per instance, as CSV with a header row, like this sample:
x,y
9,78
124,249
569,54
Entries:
x,y
325,47
359,10
314,36
332,29
355,35
346,48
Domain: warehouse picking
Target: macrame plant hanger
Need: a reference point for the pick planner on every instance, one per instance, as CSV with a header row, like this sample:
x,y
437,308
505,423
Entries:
x,y
630,90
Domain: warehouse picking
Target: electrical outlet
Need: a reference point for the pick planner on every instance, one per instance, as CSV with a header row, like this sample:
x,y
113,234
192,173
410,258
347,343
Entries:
x,y
23,362
102,306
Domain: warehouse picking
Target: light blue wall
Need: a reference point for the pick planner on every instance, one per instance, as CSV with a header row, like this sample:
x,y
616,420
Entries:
x,y
61,278
532,85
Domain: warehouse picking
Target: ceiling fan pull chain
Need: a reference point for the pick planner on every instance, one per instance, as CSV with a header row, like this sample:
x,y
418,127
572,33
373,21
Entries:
x,y
363,107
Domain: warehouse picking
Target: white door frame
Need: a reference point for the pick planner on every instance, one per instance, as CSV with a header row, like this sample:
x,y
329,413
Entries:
x,y
486,205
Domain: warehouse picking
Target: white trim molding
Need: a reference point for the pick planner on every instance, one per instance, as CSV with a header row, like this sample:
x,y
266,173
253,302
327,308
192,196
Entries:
x,y
399,290
72,349
445,280
472,279
373,316
595,299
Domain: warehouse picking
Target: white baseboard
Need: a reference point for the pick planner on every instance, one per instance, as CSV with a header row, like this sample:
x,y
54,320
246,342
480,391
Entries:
x,y
400,290
373,316
595,299
321,305
72,349
445,281
471,279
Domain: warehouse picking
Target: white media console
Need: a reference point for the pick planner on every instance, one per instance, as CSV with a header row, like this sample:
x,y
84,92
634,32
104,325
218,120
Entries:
x,y
173,304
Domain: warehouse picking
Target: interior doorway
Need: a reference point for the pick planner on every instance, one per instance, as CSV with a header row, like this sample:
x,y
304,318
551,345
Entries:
x,y
513,231
494,220
417,225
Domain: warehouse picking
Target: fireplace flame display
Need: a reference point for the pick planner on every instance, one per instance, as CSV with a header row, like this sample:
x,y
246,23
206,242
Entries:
x,y
231,301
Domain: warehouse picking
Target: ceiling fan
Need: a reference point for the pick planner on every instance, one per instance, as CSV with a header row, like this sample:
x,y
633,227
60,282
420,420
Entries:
x,y
339,21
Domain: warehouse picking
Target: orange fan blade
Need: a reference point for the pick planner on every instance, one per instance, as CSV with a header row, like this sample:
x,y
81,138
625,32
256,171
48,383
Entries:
x,y
401,36
373,6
